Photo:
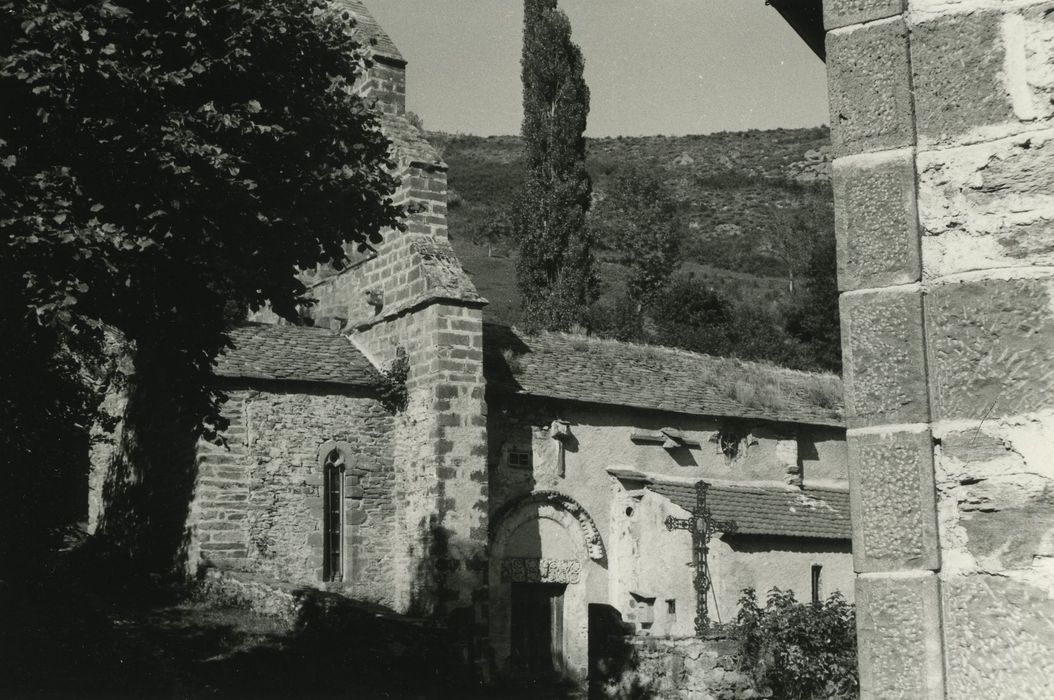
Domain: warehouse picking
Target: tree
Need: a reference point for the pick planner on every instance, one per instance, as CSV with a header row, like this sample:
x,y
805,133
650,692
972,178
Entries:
x,y
687,314
640,220
792,235
556,269
800,650
814,319
690,315
163,168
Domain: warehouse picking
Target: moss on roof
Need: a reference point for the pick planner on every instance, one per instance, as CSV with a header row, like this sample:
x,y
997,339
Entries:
x,y
581,368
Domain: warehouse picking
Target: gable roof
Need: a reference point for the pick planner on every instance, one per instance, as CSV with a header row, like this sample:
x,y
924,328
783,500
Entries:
x,y
369,31
296,354
580,368
759,509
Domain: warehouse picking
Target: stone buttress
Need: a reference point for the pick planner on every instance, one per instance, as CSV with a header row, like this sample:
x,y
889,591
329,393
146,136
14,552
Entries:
x,y
412,299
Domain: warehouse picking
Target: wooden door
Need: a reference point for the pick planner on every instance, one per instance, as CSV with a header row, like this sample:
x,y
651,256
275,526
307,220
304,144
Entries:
x,y
538,628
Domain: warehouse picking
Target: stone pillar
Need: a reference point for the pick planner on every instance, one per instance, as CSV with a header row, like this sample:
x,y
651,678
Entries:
x,y
941,127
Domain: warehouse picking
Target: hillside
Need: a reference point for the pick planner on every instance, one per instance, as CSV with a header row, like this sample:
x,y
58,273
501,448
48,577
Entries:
x,y
755,209
730,186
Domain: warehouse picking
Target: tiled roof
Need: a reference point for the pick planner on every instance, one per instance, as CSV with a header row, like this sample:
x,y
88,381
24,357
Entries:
x,y
367,28
294,353
571,367
769,510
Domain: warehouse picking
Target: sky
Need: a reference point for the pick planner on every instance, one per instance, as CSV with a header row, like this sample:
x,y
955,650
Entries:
x,y
669,67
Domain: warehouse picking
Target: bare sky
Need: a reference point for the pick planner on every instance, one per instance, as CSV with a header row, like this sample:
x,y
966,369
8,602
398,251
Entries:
x,y
653,66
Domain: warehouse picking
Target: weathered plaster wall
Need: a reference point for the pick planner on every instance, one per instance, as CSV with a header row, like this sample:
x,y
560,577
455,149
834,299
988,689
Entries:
x,y
259,505
764,563
650,561
601,439
643,557
942,121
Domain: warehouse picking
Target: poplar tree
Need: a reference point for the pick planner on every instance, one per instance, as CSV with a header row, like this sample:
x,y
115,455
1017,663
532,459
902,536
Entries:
x,y
556,270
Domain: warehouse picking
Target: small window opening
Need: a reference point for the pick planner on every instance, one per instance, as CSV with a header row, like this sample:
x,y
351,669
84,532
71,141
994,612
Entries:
x,y
671,607
728,443
629,511
519,459
816,583
333,525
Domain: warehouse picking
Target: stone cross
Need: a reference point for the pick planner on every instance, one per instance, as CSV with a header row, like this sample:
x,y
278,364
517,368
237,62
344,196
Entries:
x,y
702,525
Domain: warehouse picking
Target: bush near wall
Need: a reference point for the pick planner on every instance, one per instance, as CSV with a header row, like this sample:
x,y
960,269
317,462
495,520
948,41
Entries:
x,y
800,650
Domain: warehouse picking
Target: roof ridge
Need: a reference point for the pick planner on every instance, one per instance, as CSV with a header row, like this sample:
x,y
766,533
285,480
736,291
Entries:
x,y
262,324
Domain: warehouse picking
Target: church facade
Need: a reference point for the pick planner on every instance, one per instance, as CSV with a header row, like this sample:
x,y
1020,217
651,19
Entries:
x,y
399,450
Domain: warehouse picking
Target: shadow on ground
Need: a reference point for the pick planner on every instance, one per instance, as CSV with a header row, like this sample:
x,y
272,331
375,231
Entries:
x,y
84,628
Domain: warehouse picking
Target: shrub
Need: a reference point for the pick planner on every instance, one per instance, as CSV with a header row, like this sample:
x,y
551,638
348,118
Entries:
x,y
801,650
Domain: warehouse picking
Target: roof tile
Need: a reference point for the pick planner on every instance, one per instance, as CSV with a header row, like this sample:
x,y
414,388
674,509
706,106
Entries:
x,y
294,353
368,28
580,368
769,510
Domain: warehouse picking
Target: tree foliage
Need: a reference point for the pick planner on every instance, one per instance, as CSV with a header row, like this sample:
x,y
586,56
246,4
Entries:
x,y
556,269
165,166
814,319
801,650
639,219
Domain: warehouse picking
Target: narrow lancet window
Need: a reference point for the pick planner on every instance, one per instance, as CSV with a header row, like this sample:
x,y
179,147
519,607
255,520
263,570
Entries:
x,y
333,525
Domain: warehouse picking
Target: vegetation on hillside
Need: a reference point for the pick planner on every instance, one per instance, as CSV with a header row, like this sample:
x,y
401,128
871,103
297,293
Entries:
x,y
744,219
556,267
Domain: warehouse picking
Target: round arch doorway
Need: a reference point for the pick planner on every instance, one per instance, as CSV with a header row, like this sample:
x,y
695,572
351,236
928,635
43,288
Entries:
x,y
545,555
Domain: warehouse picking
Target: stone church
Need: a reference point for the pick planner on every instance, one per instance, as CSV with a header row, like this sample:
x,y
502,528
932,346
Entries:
x,y
399,450
524,482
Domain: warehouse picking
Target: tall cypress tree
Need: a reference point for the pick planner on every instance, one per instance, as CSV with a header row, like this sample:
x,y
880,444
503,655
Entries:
x,y
556,270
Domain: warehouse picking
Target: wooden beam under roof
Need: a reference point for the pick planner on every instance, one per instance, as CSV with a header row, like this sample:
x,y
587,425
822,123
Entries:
x,y
806,18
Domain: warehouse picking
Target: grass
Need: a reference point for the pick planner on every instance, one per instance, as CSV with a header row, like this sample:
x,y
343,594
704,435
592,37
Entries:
x,y
825,392
761,386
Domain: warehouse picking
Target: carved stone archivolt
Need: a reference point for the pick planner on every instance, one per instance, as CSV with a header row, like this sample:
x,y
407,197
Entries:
x,y
594,545
522,570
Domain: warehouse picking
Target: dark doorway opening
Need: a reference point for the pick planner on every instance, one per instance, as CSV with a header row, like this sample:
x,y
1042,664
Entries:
x,y
538,628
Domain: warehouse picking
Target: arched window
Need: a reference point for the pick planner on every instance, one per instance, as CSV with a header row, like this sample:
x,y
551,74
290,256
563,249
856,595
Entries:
x,y
333,516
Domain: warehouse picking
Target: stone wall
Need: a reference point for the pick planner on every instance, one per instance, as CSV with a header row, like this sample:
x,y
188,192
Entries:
x,y
259,503
385,85
942,123
678,669
411,297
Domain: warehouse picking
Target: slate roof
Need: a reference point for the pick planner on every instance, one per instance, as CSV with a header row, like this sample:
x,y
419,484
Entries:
x,y
769,510
367,29
294,353
571,367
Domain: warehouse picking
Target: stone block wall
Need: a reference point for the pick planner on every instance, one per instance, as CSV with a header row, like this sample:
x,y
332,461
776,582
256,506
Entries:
x,y
412,298
258,505
942,124
385,84
678,669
